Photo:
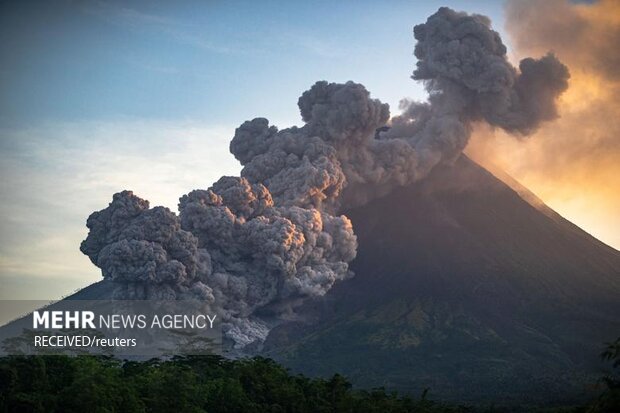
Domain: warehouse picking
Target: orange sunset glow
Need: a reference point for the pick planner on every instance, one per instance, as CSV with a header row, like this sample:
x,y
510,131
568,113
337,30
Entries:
x,y
572,162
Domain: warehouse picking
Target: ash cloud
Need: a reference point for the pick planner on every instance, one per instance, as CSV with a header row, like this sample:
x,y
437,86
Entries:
x,y
259,244
230,247
265,258
464,66
145,251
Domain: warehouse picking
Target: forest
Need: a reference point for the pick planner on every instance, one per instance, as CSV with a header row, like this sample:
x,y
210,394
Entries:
x,y
98,384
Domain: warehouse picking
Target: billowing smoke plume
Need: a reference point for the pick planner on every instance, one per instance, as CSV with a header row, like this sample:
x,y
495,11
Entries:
x,y
258,244
145,251
236,249
338,157
266,258
464,66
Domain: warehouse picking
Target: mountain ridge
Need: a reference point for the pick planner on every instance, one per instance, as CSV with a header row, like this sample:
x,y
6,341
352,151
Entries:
x,y
461,285
466,286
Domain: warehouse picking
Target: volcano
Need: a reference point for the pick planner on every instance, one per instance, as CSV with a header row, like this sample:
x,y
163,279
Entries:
x,y
467,286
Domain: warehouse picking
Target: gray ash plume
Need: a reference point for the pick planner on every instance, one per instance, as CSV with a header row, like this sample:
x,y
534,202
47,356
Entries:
x,y
259,244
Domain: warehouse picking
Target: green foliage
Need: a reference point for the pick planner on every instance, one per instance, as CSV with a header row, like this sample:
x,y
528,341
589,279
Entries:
x,y
609,401
194,384
184,384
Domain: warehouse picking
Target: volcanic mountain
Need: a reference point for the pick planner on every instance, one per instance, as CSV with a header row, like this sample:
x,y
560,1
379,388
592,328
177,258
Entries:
x,y
467,287
464,285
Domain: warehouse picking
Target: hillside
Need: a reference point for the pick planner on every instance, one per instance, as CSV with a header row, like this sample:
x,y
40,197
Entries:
x,y
463,286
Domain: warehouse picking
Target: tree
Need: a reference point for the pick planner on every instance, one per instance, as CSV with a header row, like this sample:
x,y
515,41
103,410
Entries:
x,y
609,401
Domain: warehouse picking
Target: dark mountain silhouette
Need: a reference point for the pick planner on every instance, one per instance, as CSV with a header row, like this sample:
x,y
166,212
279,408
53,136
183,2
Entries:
x,y
465,286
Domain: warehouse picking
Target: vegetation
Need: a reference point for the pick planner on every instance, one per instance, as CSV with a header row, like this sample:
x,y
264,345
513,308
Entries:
x,y
609,401
188,384
212,384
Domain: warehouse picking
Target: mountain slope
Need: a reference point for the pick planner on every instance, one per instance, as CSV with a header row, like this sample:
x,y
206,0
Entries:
x,y
463,286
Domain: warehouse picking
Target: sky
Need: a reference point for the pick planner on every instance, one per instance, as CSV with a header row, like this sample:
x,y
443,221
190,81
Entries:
x,y
97,97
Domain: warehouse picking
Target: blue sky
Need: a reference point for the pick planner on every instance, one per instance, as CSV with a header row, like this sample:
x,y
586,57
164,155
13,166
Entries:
x,y
96,97
213,61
